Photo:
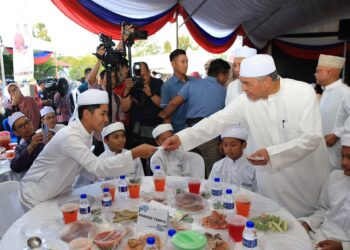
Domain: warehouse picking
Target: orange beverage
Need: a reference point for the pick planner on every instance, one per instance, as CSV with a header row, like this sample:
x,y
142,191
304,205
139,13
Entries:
x,y
70,212
111,189
243,205
5,139
134,190
10,154
159,183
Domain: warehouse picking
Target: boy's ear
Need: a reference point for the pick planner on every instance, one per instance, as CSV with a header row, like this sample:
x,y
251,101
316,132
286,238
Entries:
x,y
244,145
106,140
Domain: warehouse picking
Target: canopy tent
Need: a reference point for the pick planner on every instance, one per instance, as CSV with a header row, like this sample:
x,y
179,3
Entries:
x,y
213,24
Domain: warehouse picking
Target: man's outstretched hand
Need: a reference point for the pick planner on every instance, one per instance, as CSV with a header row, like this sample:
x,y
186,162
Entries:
x,y
172,143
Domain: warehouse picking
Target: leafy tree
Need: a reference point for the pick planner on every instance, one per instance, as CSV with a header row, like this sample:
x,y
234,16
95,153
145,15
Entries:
x,y
77,65
146,47
40,31
167,47
185,43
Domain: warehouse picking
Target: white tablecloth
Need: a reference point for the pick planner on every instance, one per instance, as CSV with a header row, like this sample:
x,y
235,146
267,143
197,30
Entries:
x,y
14,239
6,174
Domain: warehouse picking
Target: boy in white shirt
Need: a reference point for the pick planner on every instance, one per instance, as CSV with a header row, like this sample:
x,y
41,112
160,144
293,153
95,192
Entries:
x,y
329,226
235,168
48,117
114,137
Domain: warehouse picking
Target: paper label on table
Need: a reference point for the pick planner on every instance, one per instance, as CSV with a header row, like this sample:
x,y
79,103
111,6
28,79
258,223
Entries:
x,y
152,217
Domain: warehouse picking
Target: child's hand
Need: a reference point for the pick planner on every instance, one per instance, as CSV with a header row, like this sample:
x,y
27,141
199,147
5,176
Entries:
x,y
330,245
143,151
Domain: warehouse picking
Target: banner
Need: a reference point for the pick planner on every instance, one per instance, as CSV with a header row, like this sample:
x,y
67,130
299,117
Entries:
x,y
23,61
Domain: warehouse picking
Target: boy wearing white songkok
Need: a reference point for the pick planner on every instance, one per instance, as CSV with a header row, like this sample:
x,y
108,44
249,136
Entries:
x,y
69,152
174,162
114,137
235,168
48,117
329,226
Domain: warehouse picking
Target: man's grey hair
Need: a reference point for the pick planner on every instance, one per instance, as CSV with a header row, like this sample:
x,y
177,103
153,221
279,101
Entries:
x,y
274,76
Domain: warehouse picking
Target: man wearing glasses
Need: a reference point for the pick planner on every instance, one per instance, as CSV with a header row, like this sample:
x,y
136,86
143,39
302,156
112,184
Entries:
x,y
32,143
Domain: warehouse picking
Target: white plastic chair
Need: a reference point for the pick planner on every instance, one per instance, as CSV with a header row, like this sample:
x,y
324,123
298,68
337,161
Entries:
x,y
194,165
10,206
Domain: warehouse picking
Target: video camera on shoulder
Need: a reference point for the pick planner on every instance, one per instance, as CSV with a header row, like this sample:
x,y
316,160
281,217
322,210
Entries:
x,y
111,58
137,79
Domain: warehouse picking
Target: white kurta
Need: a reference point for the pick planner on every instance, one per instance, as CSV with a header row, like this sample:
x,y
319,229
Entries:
x,y
137,162
343,114
288,125
62,159
234,89
330,105
332,217
171,162
239,172
55,129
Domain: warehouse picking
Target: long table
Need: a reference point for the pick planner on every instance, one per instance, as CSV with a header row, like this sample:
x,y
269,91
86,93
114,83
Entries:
x,y
14,238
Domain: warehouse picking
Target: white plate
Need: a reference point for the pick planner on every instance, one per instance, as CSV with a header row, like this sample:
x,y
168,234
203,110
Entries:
x,y
74,199
262,205
43,227
285,242
204,203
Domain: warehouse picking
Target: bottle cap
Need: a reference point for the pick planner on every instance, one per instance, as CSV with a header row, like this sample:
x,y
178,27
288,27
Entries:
x,y
122,177
106,189
83,196
217,179
249,224
157,167
228,191
151,240
171,232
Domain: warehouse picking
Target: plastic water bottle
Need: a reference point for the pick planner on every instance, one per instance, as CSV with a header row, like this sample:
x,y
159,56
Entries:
x,y
171,233
249,236
84,208
229,203
216,190
123,187
151,244
107,204
159,179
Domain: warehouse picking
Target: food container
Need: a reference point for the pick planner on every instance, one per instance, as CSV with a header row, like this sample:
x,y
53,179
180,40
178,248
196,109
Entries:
x,y
189,240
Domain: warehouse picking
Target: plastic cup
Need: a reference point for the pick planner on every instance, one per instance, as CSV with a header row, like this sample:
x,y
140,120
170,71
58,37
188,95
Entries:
x,y
80,244
134,185
243,205
3,153
70,212
159,183
13,145
235,226
10,154
194,185
111,189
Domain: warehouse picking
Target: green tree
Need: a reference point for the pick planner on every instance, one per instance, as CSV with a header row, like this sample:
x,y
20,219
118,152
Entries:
x,y
167,47
146,47
77,65
185,43
40,31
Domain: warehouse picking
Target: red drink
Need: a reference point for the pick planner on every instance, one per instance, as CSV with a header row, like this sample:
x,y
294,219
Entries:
x,y
5,139
159,184
194,187
134,190
236,232
70,212
243,206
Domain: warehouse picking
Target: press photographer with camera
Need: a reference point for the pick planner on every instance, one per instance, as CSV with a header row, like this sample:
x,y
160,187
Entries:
x,y
62,102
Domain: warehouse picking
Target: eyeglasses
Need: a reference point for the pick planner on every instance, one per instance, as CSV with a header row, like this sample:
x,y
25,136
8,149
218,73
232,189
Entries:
x,y
50,117
25,123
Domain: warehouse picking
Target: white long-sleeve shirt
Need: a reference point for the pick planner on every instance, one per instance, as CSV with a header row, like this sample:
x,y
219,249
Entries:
x,y
234,89
62,159
288,125
332,217
172,162
137,162
333,117
239,172
343,114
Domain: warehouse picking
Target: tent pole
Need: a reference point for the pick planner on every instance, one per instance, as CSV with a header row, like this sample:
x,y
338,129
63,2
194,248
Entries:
x,y
177,32
2,64
195,10
344,54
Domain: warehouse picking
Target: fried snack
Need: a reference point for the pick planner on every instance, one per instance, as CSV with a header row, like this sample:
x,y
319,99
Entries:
x,y
124,215
215,221
140,243
215,242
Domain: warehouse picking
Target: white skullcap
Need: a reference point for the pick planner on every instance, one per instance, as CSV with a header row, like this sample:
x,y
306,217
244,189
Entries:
x,y
235,132
345,139
92,97
256,66
331,61
112,128
161,129
245,51
14,117
46,110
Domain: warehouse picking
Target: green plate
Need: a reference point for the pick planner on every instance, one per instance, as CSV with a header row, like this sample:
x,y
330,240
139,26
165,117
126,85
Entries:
x,y
189,240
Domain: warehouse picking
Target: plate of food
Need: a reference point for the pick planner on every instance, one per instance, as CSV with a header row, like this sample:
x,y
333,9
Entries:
x,y
218,241
74,230
124,216
190,203
138,240
45,227
215,220
160,197
269,223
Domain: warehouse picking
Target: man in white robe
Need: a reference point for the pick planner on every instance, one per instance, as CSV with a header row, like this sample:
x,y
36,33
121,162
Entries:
x,y
234,88
327,76
284,120
68,153
331,220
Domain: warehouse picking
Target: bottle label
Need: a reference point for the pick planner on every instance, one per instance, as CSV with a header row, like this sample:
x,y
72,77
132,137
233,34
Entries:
x,y
216,192
229,205
84,210
106,202
250,243
123,189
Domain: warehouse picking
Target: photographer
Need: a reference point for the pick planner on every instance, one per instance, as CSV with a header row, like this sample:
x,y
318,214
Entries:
x,y
43,95
143,106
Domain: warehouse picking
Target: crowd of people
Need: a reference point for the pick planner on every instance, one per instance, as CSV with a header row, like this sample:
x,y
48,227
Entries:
x,y
263,132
